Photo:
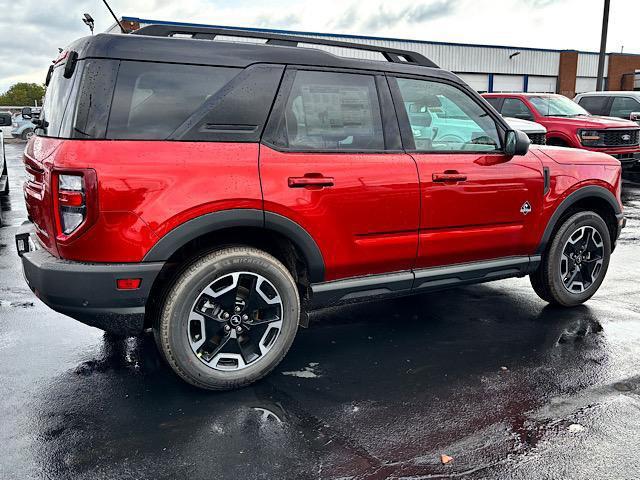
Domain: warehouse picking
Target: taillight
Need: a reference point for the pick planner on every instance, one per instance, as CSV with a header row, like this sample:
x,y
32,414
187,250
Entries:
x,y
75,201
71,201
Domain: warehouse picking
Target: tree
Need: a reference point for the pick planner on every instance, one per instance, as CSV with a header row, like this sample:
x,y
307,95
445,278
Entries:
x,y
20,94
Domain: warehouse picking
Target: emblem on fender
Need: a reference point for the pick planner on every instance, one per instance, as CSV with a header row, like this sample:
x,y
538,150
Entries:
x,y
526,208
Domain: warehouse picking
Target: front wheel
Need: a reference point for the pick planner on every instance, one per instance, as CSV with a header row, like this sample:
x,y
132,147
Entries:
x,y
27,134
575,265
229,319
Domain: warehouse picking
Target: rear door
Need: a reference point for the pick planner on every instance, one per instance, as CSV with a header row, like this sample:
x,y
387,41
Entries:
x,y
477,202
331,160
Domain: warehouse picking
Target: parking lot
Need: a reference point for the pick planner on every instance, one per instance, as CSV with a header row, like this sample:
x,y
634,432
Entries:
x,y
488,375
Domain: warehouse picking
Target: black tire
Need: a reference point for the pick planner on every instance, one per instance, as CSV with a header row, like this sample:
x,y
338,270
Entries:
x,y
5,173
27,133
170,330
547,280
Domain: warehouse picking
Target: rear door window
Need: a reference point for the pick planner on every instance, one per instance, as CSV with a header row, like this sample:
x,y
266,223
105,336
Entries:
x,y
494,102
594,105
623,107
333,111
514,107
152,100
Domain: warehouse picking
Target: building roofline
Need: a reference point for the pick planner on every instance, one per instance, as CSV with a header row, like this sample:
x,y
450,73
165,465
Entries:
x,y
361,37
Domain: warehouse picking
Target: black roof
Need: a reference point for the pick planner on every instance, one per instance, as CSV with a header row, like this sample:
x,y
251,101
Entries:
x,y
194,51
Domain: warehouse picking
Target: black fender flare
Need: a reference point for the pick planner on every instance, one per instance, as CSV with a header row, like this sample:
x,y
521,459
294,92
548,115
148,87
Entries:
x,y
581,193
225,219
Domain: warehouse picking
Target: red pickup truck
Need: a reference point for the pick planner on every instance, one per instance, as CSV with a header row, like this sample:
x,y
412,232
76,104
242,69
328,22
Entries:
x,y
570,125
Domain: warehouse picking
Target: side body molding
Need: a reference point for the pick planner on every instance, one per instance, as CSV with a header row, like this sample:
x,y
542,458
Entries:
x,y
584,192
217,221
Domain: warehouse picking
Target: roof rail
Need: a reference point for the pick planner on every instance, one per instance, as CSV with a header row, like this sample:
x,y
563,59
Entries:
x,y
394,55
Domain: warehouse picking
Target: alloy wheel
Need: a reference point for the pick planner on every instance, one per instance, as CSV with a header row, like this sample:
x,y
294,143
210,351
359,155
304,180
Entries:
x,y
235,321
582,259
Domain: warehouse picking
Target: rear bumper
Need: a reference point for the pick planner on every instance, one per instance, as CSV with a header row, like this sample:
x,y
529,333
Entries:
x,y
87,291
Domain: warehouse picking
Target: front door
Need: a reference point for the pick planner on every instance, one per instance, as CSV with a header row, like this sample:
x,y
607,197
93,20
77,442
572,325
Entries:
x,y
477,202
331,160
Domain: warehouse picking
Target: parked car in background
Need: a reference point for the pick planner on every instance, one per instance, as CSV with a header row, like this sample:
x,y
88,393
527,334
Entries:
x,y
622,104
5,121
537,133
216,192
570,125
22,127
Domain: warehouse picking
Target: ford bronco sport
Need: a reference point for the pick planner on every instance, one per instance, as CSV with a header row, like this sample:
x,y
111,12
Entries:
x,y
216,191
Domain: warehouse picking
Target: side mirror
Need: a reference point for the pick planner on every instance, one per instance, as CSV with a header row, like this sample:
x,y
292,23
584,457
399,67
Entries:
x,y
5,119
635,117
516,143
26,112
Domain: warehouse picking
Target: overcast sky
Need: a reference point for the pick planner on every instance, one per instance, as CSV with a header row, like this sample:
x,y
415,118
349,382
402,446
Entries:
x,y
32,30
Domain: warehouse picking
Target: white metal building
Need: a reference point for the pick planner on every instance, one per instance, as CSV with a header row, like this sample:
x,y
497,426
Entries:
x,y
487,68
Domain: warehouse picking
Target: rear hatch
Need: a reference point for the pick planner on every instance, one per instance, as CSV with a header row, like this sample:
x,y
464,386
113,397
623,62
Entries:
x,y
52,127
38,163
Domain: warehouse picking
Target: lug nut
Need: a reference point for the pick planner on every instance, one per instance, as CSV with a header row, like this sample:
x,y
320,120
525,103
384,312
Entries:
x,y
245,317
225,315
227,328
239,329
237,309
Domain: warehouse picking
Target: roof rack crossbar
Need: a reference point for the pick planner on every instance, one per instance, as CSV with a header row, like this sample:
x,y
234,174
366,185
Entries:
x,y
394,55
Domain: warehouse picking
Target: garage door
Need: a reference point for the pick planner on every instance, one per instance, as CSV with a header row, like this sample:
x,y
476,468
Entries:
x,y
478,81
542,84
585,84
508,83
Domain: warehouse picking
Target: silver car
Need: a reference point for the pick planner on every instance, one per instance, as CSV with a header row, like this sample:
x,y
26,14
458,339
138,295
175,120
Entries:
x,y
537,133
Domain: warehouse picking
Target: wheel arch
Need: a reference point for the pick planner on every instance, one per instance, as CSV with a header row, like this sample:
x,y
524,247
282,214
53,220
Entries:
x,y
559,136
590,197
228,224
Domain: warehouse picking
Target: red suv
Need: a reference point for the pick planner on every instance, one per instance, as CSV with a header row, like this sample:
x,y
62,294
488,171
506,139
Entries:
x,y
216,191
570,125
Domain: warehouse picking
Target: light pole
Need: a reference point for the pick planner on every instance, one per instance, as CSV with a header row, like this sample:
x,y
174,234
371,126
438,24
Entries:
x,y
603,46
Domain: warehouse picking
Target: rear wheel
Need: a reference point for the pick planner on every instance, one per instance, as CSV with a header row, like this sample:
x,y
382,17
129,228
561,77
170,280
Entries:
x,y
229,319
575,265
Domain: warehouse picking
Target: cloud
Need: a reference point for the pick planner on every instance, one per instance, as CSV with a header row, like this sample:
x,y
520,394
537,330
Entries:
x,y
425,12
32,30
278,21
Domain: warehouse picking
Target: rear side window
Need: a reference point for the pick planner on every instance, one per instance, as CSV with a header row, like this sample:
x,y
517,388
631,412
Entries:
x,y
594,105
623,107
333,111
152,100
514,107
494,102
59,91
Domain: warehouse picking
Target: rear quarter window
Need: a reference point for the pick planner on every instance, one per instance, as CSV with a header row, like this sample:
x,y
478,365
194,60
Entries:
x,y
57,98
152,100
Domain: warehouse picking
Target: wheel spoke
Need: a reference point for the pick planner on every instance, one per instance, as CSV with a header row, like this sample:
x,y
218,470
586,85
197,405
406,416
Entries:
x,y
582,257
235,321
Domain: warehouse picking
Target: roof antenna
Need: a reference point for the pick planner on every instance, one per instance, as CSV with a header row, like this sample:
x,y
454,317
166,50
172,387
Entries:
x,y
114,16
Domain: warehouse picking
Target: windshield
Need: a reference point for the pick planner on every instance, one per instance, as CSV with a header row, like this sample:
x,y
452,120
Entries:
x,y
557,106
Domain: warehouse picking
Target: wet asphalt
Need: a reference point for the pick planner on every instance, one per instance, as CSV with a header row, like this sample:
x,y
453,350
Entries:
x,y
488,374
